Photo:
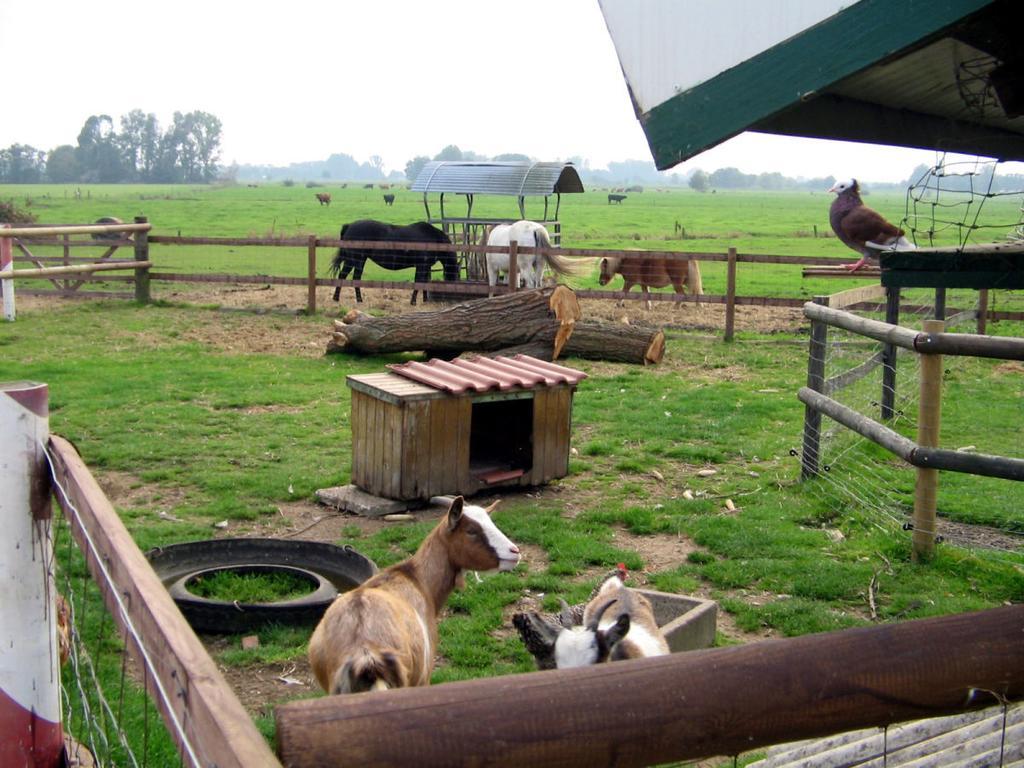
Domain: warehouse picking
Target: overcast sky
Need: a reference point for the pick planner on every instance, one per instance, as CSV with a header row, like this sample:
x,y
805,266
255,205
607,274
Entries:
x,y
304,79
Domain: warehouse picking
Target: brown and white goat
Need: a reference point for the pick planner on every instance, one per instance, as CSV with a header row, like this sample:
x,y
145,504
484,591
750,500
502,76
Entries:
x,y
383,633
618,623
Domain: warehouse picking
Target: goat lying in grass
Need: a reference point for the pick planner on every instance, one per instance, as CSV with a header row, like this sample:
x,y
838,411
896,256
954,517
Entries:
x,y
383,633
617,623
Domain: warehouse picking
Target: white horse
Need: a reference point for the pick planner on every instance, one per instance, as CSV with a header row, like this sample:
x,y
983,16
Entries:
x,y
531,265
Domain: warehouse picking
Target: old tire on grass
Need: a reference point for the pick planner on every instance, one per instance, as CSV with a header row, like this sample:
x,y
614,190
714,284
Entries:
x,y
326,568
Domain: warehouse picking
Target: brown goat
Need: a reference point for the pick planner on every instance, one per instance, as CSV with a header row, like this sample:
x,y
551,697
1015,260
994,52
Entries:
x,y
383,633
324,198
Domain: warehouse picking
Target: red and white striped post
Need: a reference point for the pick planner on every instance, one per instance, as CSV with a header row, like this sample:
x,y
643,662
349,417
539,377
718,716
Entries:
x,y
30,728
7,286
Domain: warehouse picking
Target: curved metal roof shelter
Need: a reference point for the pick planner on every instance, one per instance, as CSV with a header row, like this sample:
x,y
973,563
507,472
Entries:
x,y
494,178
519,179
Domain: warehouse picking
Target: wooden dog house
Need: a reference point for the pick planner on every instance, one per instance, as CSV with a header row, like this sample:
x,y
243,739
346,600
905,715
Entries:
x,y
436,428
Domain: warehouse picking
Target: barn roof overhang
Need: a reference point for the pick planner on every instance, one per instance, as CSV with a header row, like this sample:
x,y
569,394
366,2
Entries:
x,y
943,74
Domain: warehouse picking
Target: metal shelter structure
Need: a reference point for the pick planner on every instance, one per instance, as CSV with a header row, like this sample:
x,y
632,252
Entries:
x,y
512,179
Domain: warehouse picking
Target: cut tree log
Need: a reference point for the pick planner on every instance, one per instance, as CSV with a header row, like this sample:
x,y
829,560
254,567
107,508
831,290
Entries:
x,y
613,342
544,317
616,342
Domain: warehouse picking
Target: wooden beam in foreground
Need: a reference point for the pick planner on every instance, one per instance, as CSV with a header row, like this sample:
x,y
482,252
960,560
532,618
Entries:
x,y
76,269
216,725
684,706
852,296
87,229
870,273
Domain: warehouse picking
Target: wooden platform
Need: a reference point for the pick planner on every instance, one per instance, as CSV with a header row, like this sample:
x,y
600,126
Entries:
x,y
996,265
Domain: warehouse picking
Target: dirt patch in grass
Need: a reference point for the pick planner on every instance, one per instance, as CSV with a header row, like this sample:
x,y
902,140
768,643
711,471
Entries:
x,y
391,301
968,535
659,552
127,490
261,687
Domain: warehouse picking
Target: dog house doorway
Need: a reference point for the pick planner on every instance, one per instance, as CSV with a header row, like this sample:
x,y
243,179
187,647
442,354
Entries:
x,y
501,437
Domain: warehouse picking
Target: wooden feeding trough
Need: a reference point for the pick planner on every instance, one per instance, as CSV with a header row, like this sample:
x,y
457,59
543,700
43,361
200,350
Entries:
x,y
687,622
436,428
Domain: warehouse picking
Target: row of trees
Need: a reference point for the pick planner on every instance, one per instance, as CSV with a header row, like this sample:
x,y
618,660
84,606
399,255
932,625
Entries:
x,y
733,178
979,177
188,151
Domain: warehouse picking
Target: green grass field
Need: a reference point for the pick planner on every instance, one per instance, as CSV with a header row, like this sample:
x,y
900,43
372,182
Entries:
x,y
205,432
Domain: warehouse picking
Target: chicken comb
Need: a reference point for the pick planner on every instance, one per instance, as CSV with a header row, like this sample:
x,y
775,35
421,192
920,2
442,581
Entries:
x,y
621,568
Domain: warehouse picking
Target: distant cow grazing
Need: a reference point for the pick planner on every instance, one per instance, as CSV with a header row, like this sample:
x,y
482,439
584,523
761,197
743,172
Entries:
x,y
616,199
324,198
652,272
389,199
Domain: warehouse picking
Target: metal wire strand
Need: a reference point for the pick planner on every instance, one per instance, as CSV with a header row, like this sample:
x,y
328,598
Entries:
x,y
148,665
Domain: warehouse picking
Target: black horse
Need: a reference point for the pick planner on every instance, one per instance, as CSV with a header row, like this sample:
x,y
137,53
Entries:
x,y
367,229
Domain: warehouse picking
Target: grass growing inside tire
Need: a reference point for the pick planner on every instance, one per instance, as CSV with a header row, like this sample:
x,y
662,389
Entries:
x,y
246,586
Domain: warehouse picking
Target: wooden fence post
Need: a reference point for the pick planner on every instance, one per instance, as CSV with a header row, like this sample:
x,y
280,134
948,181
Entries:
x,y
30,721
7,286
889,353
142,254
66,253
982,319
809,456
513,266
311,276
940,303
730,295
928,419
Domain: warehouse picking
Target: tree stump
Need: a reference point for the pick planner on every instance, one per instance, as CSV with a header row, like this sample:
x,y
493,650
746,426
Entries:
x,y
544,317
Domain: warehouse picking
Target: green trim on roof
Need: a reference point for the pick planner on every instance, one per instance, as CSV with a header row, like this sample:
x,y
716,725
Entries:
x,y
850,41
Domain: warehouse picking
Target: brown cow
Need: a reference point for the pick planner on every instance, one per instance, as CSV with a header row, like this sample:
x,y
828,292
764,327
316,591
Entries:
x,y
324,198
652,272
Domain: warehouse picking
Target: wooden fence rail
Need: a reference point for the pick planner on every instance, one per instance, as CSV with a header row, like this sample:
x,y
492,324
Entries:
x,y
966,344
924,454
310,244
74,269
925,457
205,718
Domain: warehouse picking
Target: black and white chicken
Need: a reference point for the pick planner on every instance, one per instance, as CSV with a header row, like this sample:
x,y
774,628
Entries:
x,y
539,631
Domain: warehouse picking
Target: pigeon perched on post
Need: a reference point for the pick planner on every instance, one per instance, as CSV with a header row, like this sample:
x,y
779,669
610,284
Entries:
x,y
862,229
